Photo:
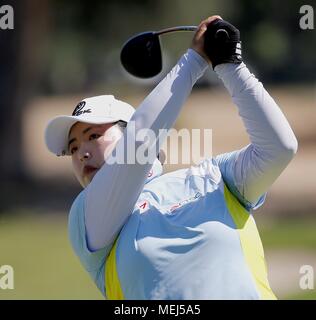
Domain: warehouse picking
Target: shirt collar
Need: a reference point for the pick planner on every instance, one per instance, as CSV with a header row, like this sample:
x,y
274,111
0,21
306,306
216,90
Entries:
x,y
155,171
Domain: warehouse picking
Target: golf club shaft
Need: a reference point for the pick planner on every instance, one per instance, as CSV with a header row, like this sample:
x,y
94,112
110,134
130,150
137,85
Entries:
x,y
173,29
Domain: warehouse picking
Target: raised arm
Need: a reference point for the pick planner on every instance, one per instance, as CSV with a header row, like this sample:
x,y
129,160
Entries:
x,y
112,194
273,143
253,169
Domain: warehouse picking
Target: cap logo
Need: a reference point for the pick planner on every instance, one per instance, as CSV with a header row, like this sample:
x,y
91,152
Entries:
x,y
79,109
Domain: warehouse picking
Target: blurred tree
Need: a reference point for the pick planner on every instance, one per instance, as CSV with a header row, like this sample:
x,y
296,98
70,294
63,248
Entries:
x,y
87,38
273,41
20,68
67,46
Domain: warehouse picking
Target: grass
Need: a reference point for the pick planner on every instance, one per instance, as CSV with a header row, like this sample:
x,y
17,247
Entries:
x,y
293,233
303,295
296,234
45,267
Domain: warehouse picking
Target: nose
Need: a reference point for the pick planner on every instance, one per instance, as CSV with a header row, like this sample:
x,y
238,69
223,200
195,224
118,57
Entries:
x,y
84,156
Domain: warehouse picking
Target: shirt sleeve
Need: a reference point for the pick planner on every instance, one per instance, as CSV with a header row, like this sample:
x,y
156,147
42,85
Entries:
x,y
251,170
114,190
227,163
93,261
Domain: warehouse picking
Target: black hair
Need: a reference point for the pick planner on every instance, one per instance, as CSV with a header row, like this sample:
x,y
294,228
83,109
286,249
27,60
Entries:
x,y
122,124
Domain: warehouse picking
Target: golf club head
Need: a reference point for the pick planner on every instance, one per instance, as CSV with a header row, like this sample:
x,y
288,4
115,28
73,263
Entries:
x,y
141,55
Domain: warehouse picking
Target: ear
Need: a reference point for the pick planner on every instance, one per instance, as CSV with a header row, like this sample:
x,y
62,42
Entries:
x,y
161,156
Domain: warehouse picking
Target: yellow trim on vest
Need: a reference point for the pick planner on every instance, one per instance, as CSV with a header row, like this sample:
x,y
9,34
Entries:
x,y
250,243
112,282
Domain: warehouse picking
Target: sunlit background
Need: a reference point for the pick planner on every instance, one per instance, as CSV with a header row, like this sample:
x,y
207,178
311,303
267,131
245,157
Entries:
x,y
62,51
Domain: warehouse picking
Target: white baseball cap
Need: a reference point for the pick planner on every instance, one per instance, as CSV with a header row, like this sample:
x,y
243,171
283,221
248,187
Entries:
x,y
96,110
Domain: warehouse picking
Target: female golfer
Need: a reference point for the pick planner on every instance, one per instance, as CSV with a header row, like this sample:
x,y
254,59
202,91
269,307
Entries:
x,y
188,234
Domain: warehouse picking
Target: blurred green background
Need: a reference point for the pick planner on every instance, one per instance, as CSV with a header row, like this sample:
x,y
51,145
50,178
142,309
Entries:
x,y
62,51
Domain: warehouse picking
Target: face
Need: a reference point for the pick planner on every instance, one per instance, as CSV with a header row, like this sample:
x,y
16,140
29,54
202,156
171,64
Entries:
x,y
89,146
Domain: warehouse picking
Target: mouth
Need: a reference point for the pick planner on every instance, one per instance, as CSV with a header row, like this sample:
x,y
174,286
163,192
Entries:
x,y
88,170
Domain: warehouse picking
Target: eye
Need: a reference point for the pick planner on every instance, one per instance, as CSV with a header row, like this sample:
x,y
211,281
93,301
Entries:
x,y
94,136
73,150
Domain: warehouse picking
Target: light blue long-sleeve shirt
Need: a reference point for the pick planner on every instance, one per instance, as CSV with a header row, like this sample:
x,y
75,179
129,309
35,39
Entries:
x,y
177,236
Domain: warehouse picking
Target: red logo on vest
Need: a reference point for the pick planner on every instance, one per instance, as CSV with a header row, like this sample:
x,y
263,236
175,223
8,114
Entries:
x,y
143,206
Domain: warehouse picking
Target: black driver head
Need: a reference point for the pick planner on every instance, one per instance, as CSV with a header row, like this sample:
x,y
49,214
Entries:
x,y
141,55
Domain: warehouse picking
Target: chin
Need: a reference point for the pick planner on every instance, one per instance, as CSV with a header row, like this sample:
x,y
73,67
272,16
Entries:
x,y
87,179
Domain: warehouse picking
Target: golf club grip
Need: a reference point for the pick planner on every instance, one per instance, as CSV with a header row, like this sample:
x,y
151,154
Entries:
x,y
222,34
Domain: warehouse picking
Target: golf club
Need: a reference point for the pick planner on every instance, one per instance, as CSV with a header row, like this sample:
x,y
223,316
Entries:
x,y
141,54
